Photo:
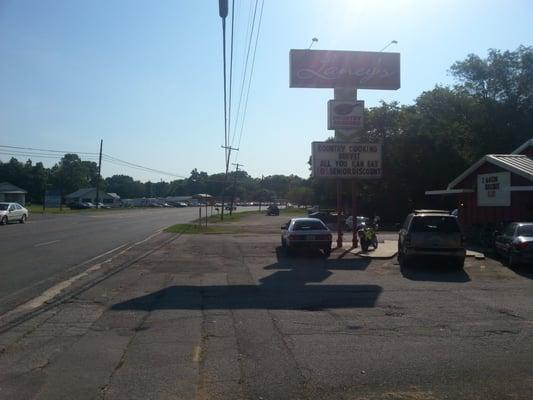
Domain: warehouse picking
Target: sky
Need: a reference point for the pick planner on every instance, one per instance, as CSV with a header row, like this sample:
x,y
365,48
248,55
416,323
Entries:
x,y
146,76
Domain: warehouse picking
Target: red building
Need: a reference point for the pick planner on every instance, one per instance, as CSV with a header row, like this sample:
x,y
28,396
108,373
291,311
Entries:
x,y
496,189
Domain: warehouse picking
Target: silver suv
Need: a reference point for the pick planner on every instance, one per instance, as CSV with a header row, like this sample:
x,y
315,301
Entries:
x,y
431,233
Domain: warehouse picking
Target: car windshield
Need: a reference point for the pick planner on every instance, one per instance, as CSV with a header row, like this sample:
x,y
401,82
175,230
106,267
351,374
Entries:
x,y
308,226
435,224
3,207
525,230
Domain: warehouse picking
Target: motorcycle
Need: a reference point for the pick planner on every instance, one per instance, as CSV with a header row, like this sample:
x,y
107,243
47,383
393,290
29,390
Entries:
x,y
367,236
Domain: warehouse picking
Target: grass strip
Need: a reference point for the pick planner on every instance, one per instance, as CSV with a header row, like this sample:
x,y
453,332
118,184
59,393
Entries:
x,y
195,229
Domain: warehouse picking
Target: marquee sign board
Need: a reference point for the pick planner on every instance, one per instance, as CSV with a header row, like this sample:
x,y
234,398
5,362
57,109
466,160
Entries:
x,y
350,69
493,189
345,114
346,160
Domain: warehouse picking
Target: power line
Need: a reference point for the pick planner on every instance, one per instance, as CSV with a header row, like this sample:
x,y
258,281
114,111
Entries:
x,y
16,153
231,66
48,150
115,160
251,74
245,72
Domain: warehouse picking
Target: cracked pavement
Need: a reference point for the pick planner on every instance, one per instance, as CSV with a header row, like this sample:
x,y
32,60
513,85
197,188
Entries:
x,y
231,317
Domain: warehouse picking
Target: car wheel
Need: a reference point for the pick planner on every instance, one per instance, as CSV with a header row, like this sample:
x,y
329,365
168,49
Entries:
x,y
3,221
23,219
327,252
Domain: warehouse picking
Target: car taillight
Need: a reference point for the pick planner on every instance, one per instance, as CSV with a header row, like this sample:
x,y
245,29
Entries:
x,y
324,237
521,245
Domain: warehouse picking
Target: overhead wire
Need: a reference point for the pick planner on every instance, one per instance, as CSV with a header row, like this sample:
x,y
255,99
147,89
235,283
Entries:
x,y
48,150
251,75
249,33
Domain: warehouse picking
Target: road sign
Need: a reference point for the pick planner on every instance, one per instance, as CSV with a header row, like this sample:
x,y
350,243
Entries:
x,y
346,160
345,114
336,69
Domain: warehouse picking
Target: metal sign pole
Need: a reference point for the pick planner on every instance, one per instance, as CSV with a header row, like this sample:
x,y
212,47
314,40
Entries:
x,y
354,214
339,212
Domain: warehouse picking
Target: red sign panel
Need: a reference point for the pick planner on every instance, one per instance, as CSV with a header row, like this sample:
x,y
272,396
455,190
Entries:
x,y
351,69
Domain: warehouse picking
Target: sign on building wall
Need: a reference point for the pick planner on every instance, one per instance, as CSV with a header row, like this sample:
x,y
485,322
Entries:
x,y
349,69
345,114
346,160
493,189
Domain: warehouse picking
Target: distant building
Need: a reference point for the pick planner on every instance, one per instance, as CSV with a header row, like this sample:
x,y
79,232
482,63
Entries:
x,y
88,195
497,189
12,193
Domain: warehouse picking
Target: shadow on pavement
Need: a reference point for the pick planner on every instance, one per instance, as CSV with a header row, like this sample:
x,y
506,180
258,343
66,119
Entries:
x,y
309,259
285,289
523,270
434,270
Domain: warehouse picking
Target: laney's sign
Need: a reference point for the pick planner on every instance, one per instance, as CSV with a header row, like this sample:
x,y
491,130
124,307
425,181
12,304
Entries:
x,y
346,160
352,69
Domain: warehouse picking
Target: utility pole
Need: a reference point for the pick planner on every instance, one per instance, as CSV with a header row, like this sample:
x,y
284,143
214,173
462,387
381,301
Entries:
x,y
98,176
228,150
237,165
261,192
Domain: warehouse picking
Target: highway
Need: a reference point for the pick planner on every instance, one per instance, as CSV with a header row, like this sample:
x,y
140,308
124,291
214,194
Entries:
x,y
42,252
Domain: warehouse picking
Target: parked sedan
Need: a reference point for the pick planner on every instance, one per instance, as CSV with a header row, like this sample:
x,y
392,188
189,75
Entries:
x,y
515,243
309,233
10,212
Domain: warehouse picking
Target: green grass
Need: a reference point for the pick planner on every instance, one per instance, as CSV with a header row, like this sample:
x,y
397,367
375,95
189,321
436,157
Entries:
x,y
194,229
236,216
293,211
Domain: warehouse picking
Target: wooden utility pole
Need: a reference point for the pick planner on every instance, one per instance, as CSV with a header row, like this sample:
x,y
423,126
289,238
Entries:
x,y
98,175
237,165
228,150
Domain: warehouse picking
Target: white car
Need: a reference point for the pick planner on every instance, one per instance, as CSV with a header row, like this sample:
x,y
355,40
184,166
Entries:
x,y
10,212
310,233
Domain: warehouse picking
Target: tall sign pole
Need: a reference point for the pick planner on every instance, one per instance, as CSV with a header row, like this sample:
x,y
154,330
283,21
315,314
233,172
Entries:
x,y
343,95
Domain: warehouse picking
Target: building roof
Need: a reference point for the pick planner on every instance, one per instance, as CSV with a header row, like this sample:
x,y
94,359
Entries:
x,y
80,193
517,163
89,191
6,187
522,147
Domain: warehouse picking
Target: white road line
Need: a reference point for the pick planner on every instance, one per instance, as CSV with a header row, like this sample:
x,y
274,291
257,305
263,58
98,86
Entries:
x,y
47,243
52,292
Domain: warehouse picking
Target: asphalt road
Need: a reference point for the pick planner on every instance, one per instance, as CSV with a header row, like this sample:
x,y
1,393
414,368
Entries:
x,y
234,317
51,247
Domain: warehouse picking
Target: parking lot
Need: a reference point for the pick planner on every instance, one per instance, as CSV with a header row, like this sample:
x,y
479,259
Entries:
x,y
232,317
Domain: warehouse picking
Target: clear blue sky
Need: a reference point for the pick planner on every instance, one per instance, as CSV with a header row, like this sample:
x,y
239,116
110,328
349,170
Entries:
x,y
146,76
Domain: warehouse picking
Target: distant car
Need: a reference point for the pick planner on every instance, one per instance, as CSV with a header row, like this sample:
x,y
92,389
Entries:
x,y
181,204
309,233
272,210
81,206
361,221
10,212
431,233
229,207
326,217
515,243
